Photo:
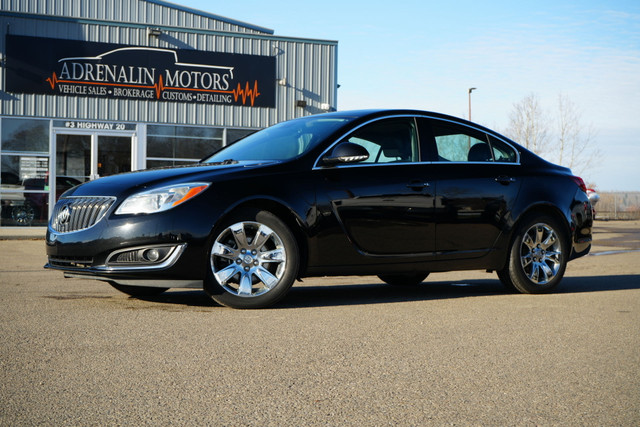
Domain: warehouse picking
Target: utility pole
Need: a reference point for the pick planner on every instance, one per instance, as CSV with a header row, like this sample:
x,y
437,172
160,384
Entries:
x,y
471,89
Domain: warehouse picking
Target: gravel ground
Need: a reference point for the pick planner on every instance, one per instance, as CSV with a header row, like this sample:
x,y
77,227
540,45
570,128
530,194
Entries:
x,y
456,350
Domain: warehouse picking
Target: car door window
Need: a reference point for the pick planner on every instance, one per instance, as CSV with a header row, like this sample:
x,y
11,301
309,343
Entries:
x,y
388,141
458,143
503,152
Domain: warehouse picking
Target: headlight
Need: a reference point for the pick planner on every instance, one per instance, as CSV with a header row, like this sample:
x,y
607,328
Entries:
x,y
161,199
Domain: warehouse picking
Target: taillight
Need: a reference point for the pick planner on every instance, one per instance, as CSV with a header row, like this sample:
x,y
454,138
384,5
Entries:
x,y
580,183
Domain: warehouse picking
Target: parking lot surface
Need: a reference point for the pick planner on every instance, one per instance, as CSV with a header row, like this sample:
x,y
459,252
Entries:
x,y
457,349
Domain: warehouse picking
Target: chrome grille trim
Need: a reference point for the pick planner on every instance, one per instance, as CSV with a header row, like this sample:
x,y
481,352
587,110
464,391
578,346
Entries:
x,y
79,213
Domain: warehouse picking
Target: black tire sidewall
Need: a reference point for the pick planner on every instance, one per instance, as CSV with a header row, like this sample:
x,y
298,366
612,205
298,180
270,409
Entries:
x,y
221,296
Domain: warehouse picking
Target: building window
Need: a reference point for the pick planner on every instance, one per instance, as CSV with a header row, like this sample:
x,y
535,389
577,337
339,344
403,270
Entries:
x,y
182,145
24,172
179,145
234,135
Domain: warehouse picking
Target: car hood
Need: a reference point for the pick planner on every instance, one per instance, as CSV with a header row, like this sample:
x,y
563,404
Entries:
x,y
126,183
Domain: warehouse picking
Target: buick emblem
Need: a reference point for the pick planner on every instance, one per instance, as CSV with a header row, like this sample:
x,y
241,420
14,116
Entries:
x,y
64,215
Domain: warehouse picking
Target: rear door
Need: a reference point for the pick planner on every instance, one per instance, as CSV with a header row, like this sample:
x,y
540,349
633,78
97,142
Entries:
x,y
477,185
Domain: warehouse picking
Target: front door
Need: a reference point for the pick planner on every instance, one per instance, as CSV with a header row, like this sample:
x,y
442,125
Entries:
x,y
83,157
385,204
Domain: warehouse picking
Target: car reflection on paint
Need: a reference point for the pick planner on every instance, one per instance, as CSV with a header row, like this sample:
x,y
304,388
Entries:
x,y
28,203
393,193
39,202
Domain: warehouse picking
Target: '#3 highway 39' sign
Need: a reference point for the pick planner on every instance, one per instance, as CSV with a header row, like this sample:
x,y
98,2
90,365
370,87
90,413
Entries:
x,y
105,70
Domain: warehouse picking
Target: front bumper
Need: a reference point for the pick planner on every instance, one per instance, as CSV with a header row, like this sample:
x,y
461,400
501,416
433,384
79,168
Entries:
x,y
127,270
166,250
155,283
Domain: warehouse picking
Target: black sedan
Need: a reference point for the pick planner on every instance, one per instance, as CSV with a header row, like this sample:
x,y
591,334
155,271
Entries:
x,y
398,194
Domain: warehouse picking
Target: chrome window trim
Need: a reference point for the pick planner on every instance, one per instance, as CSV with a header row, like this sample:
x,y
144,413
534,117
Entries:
x,y
316,165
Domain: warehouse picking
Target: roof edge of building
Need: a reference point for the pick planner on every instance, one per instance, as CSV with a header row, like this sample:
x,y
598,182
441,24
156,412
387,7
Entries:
x,y
211,15
26,15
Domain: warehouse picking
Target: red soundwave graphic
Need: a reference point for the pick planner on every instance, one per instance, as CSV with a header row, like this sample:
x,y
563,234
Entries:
x,y
159,87
238,92
52,80
247,92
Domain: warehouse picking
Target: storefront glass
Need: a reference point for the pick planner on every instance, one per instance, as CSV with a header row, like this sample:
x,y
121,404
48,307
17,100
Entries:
x,y
171,145
24,172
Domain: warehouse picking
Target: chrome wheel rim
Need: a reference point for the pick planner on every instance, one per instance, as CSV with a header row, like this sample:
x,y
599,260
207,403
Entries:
x,y
248,259
23,215
540,254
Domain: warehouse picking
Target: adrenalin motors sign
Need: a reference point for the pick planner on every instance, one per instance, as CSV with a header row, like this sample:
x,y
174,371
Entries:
x,y
105,70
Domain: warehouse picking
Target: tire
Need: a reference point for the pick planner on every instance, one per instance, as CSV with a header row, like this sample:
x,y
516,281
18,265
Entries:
x,y
538,256
408,279
138,291
252,262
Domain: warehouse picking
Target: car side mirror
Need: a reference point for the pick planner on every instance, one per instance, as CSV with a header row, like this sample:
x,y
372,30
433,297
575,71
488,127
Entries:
x,y
344,153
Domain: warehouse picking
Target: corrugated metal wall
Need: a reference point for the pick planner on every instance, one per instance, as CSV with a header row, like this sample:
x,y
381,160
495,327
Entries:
x,y
309,66
149,12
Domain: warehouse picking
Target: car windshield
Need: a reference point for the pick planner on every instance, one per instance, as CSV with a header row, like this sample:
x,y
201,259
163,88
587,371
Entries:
x,y
284,141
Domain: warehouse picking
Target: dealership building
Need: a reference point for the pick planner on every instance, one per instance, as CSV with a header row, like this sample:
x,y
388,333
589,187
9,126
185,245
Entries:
x,y
92,88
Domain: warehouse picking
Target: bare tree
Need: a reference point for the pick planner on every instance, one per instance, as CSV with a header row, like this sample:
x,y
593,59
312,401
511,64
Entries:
x,y
575,140
528,125
563,139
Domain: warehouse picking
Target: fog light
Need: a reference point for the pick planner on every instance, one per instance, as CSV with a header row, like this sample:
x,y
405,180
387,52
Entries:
x,y
152,255
140,255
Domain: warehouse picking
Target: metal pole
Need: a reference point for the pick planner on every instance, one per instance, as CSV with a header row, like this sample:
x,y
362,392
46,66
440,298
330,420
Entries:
x,y
471,89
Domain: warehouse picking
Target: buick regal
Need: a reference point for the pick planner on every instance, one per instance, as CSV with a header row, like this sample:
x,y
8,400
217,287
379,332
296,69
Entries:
x,y
393,193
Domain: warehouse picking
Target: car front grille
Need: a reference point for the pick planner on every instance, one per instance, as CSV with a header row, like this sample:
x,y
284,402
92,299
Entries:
x,y
79,213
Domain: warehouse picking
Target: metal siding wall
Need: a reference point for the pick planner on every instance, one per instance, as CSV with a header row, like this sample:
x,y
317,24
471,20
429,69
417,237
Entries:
x,y
136,11
308,67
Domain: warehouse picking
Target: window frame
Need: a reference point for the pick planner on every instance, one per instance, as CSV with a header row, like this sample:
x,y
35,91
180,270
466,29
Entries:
x,y
487,133
345,137
426,143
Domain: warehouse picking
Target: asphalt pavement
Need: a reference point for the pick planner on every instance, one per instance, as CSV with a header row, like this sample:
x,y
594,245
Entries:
x,y
456,350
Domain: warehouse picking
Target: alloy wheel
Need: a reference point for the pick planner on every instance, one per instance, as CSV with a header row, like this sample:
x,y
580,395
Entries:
x,y
540,253
248,259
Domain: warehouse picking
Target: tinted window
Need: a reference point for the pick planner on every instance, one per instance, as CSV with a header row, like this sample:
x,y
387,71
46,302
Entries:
x,y
25,135
458,143
502,152
167,143
388,140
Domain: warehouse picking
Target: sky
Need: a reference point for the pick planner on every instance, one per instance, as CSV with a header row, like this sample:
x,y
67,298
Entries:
x,y
426,55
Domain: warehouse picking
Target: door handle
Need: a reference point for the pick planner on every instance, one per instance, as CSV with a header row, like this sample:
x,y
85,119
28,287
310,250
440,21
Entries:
x,y
505,180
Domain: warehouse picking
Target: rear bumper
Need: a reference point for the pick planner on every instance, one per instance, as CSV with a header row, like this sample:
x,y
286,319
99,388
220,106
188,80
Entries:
x,y
581,225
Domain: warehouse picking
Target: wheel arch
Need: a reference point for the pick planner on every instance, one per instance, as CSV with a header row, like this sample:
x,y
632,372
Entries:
x,y
537,210
283,212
